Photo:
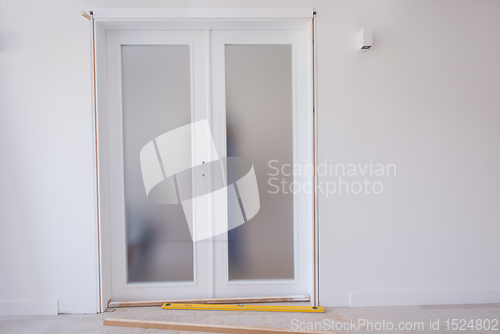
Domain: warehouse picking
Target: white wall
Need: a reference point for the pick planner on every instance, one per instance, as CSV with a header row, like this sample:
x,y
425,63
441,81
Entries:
x,y
47,228
425,98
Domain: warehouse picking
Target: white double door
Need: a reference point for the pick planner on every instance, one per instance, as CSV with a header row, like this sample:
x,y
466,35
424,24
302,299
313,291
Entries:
x,y
204,130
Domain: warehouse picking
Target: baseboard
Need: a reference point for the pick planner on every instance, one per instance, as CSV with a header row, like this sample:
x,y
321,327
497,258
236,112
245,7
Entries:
x,y
424,297
29,307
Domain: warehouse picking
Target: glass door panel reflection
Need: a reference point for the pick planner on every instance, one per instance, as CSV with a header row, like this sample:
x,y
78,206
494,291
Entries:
x,y
156,88
259,127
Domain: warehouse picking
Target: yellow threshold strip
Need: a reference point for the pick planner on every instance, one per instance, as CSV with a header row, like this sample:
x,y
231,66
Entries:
x,y
241,307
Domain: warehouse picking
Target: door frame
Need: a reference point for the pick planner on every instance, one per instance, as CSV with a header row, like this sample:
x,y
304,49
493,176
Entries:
x,y
206,19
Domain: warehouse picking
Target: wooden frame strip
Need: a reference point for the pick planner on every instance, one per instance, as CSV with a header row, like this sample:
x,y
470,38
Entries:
x,y
194,327
85,15
95,139
315,163
237,300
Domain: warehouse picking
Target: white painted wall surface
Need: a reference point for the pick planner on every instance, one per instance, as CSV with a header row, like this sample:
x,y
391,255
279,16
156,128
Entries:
x,y
425,98
47,227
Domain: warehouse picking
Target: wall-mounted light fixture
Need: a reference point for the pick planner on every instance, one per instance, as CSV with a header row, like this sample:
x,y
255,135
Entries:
x,y
364,39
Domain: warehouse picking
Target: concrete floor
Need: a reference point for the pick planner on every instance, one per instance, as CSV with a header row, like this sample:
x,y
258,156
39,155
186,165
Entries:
x,y
92,323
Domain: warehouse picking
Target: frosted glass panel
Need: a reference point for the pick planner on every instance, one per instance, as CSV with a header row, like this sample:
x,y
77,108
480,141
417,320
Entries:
x,y
156,99
259,120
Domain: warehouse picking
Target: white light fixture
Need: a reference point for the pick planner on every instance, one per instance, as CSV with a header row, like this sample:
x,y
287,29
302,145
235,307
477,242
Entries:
x,y
364,39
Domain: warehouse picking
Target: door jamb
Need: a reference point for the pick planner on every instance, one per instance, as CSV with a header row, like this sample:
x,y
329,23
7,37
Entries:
x,y
188,18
